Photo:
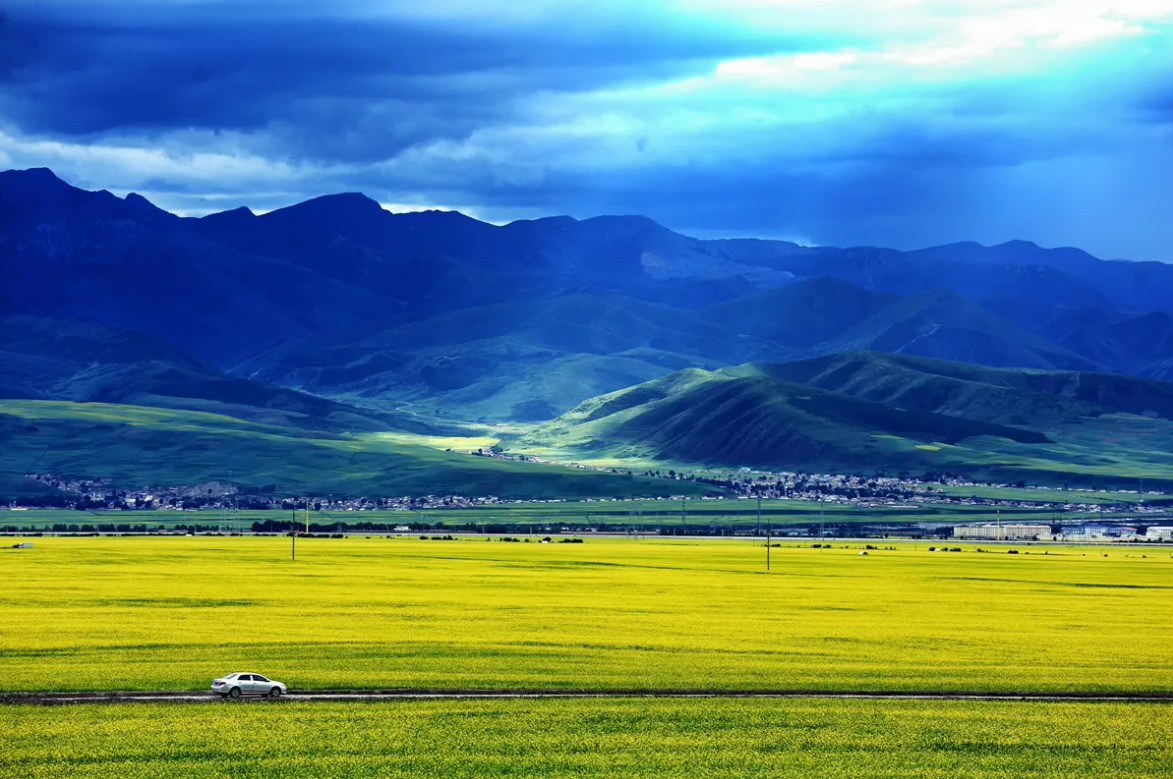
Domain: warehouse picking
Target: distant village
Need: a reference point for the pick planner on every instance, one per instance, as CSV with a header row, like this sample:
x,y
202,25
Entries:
x,y
1083,519
844,490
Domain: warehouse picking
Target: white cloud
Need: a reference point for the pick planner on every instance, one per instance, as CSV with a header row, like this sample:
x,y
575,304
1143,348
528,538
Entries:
x,y
996,36
136,162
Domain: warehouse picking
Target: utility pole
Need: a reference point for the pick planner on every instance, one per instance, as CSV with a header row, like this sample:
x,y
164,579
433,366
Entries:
x,y
307,515
758,530
683,518
293,538
767,535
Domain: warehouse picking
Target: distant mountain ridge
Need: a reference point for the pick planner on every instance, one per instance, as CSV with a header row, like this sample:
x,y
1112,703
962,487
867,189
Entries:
x,y
338,296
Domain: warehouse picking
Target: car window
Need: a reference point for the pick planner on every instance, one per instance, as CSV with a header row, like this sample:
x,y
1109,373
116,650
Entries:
x,y
244,678
259,678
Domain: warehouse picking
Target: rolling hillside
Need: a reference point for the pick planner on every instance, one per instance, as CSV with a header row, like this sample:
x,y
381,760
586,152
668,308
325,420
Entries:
x,y
522,360
874,412
1033,398
138,447
46,358
532,360
88,401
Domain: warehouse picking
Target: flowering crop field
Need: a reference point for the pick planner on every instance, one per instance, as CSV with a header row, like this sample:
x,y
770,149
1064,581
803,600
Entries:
x,y
172,613
589,738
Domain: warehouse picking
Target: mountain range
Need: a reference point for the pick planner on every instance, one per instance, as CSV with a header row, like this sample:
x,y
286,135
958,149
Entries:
x,y
337,315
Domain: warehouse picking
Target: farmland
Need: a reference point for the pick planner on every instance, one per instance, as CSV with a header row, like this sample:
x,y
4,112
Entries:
x,y
695,738
665,516
650,516
171,613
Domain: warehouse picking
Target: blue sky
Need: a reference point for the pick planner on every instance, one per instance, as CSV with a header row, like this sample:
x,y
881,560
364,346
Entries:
x,y
901,123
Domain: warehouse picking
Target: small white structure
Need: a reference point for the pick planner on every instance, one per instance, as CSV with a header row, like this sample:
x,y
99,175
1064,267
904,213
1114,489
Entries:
x,y
1006,532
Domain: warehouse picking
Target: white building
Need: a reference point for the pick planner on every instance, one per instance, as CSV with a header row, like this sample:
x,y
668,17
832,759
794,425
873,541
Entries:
x,y
1005,532
1159,534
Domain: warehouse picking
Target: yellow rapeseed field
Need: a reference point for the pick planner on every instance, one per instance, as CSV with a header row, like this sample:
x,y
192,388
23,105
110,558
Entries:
x,y
172,613
836,739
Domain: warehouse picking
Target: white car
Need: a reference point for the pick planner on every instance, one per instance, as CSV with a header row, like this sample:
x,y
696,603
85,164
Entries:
x,y
234,685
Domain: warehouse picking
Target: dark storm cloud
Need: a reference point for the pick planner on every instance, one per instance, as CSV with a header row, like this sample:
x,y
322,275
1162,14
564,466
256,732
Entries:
x,y
322,83
839,122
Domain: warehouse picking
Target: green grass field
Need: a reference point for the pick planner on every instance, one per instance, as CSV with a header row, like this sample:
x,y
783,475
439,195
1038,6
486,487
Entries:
x,y
608,738
138,446
172,613
1051,495
648,515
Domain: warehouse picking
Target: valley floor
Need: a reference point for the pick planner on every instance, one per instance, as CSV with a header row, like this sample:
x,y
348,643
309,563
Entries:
x,y
173,613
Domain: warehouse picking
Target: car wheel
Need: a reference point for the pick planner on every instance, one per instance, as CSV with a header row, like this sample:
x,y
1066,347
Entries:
x,y
234,692
275,692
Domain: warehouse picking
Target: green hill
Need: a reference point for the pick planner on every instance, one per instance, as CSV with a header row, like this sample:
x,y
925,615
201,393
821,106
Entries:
x,y
136,446
89,401
1022,397
878,412
47,358
518,360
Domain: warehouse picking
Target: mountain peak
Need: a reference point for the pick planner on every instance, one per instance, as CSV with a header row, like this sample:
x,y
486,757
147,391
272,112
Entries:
x,y
238,215
342,204
32,175
145,207
36,181
349,199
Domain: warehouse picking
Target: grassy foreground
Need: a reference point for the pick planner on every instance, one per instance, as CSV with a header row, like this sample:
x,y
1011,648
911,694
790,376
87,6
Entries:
x,y
172,613
598,738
